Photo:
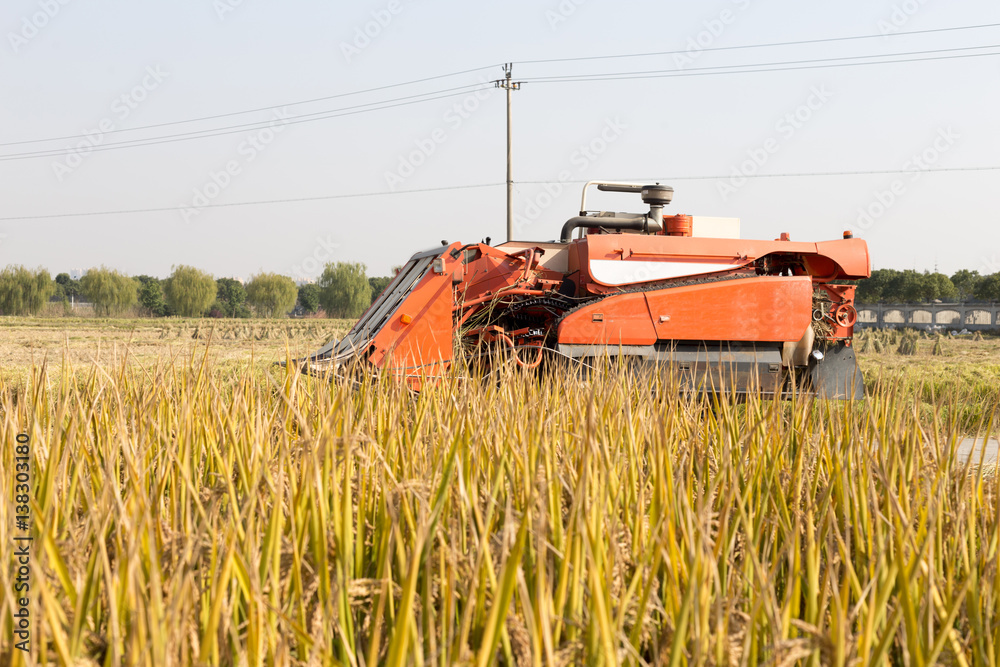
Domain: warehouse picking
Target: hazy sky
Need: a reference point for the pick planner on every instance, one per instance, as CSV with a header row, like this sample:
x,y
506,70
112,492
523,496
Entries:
x,y
82,72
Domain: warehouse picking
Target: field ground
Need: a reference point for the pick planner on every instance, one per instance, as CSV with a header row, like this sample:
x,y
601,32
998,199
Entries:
x,y
83,341
227,511
962,359
25,341
966,365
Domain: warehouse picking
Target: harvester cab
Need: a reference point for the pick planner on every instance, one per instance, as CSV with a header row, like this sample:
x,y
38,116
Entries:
x,y
680,292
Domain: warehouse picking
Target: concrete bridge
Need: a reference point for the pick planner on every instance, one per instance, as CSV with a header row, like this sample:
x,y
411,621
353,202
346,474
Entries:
x,y
951,316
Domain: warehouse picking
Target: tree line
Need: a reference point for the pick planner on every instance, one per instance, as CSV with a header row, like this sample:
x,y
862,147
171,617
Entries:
x,y
892,286
342,291
345,291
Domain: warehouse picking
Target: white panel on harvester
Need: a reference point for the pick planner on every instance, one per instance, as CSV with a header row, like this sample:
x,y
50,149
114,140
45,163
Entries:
x,y
715,228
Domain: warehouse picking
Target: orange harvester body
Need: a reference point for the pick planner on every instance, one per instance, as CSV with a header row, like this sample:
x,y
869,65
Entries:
x,y
676,291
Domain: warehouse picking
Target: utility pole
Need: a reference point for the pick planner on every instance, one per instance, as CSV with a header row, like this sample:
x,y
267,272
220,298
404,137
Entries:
x,y
509,86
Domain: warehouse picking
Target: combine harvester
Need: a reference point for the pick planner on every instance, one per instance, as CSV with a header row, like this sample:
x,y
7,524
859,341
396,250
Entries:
x,y
684,292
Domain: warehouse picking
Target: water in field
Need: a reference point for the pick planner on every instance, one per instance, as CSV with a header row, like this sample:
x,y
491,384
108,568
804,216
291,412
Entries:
x,y
974,448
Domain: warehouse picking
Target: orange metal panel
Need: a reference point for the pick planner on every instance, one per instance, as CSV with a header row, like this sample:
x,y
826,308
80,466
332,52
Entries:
x,y
419,337
851,255
777,309
773,309
616,320
491,272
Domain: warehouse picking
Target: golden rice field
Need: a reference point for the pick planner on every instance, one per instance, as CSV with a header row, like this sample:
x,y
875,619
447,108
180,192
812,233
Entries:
x,y
200,506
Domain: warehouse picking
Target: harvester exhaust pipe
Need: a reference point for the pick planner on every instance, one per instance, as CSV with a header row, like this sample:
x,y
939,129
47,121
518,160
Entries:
x,y
607,222
656,196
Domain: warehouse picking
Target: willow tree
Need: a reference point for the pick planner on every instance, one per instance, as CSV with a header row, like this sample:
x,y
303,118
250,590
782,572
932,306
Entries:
x,y
24,291
344,290
189,291
111,292
271,294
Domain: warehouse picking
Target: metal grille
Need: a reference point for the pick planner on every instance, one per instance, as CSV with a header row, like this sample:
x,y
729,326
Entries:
x,y
382,310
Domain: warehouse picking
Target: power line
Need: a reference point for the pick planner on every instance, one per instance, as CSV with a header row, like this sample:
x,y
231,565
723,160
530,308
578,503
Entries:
x,y
757,46
266,202
198,134
820,63
758,71
259,109
478,69
259,125
814,63
661,179
884,172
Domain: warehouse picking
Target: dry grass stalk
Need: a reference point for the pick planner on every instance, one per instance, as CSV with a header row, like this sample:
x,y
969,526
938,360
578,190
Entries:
x,y
194,515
